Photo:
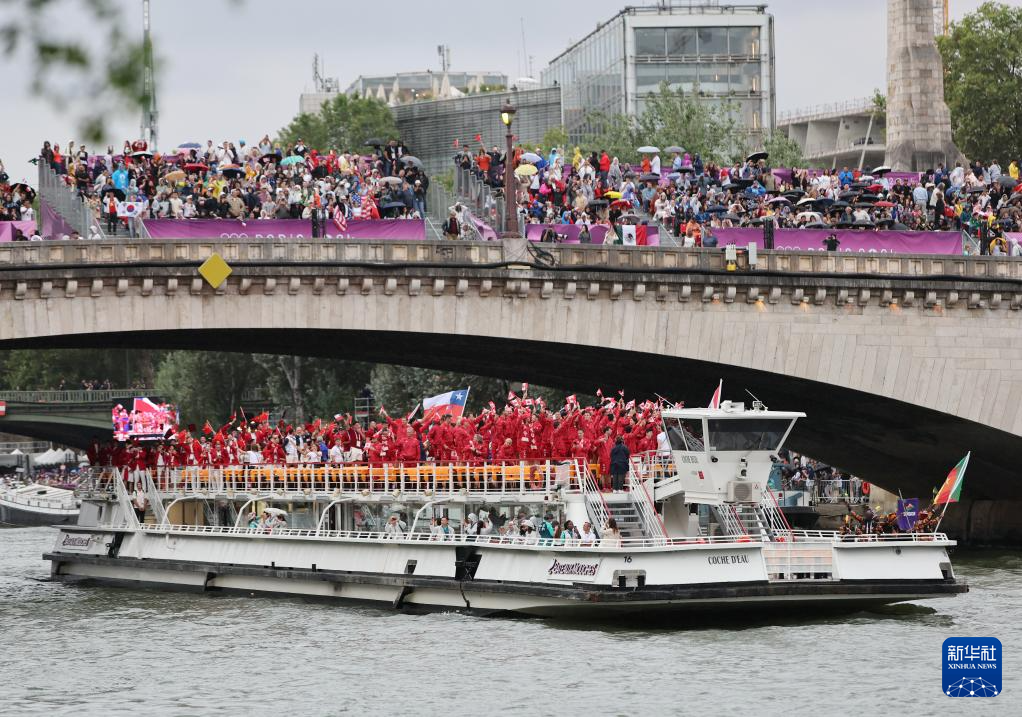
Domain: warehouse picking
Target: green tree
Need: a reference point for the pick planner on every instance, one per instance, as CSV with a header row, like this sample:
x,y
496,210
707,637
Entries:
x,y
784,152
43,370
207,385
555,137
982,57
400,388
672,117
64,68
343,123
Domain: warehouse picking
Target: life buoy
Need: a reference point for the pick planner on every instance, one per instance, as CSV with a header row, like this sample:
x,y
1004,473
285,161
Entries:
x,y
865,488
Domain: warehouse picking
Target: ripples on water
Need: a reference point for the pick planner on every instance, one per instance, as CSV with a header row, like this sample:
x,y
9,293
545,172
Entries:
x,y
100,651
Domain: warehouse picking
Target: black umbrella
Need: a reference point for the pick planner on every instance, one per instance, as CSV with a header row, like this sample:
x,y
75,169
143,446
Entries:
x,y
598,203
848,195
823,201
815,225
119,193
838,205
270,158
794,193
414,161
393,205
845,224
650,177
975,190
1006,181
885,222
741,183
898,226
25,191
716,209
869,197
863,223
858,185
757,221
862,205
686,170
374,142
731,217
756,156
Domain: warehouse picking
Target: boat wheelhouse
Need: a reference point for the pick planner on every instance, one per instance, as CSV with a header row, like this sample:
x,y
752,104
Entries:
x,y
698,529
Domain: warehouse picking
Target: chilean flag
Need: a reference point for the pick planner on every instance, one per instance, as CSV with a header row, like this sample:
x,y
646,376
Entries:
x,y
452,403
715,401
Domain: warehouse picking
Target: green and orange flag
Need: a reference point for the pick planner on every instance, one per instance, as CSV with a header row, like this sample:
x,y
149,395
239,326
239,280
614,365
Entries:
x,y
952,488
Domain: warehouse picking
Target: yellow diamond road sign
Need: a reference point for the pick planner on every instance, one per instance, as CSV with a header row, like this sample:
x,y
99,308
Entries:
x,y
215,270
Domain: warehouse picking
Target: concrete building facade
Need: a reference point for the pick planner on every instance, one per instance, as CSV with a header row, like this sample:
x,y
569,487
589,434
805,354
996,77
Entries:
x,y
720,53
845,134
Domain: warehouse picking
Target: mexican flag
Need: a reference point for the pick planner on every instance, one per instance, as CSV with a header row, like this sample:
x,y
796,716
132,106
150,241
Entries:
x,y
952,488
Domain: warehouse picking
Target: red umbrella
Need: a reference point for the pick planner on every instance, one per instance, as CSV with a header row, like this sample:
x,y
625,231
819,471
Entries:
x,y
196,167
620,204
875,187
887,205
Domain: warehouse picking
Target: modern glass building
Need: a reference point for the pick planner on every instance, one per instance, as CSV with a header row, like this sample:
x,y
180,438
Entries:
x,y
721,52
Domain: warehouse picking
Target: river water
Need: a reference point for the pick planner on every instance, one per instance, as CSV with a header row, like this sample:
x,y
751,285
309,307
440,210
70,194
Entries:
x,y
70,650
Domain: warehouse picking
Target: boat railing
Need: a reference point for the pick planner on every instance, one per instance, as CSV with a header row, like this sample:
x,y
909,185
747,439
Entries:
x,y
46,503
653,464
427,479
429,537
652,523
803,536
596,504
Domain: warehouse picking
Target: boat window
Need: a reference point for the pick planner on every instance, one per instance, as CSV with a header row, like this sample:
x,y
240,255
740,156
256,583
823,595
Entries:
x,y
685,434
747,434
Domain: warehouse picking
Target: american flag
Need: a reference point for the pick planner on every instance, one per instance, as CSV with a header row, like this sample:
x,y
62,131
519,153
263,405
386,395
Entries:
x,y
369,210
340,218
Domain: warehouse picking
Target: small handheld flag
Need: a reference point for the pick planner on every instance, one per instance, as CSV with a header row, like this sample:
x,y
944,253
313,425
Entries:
x,y
715,400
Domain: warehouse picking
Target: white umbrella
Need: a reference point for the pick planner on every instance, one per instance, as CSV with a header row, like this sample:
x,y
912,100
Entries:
x,y
275,511
883,169
648,149
804,200
531,157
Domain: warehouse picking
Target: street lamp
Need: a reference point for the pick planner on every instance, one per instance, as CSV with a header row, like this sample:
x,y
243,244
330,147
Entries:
x,y
507,115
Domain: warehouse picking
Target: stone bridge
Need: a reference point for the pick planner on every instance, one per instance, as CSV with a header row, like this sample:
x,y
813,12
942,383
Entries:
x,y
902,363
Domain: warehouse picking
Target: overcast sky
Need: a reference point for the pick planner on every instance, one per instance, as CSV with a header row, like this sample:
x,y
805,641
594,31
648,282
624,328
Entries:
x,y
233,69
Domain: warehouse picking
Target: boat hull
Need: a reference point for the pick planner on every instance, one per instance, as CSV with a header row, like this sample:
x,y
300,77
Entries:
x,y
13,515
490,597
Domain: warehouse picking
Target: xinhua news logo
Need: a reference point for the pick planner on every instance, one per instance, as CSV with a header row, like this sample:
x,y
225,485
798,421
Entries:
x,y
972,667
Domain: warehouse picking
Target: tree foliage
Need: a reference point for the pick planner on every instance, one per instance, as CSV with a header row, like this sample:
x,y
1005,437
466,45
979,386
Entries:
x,y
784,152
983,81
400,388
206,385
343,123
44,370
88,80
672,117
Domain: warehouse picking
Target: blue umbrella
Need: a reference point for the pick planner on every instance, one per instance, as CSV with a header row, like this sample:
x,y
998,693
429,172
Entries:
x,y
293,159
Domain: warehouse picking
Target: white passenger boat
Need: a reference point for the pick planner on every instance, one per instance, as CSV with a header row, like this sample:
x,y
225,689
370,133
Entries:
x,y
699,531
38,504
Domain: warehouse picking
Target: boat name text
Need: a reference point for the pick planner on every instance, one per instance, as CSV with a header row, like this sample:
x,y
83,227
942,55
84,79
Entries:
x,y
727,559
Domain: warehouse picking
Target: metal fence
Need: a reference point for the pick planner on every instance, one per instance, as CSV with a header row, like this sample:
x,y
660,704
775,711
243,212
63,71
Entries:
x,y
66,202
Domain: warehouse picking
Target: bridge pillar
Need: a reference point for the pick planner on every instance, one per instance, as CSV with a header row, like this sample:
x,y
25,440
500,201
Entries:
x,y
984,522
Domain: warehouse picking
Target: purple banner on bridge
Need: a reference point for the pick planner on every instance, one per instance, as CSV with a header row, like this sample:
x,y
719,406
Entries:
x,y
569,233
7,229
53,225
398,229
851,240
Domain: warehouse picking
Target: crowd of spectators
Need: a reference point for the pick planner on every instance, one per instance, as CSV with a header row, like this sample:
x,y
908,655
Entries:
x,y
267,180
692,197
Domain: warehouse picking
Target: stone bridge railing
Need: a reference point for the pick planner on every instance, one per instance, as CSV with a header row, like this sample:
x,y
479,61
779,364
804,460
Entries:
x,y
269,252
